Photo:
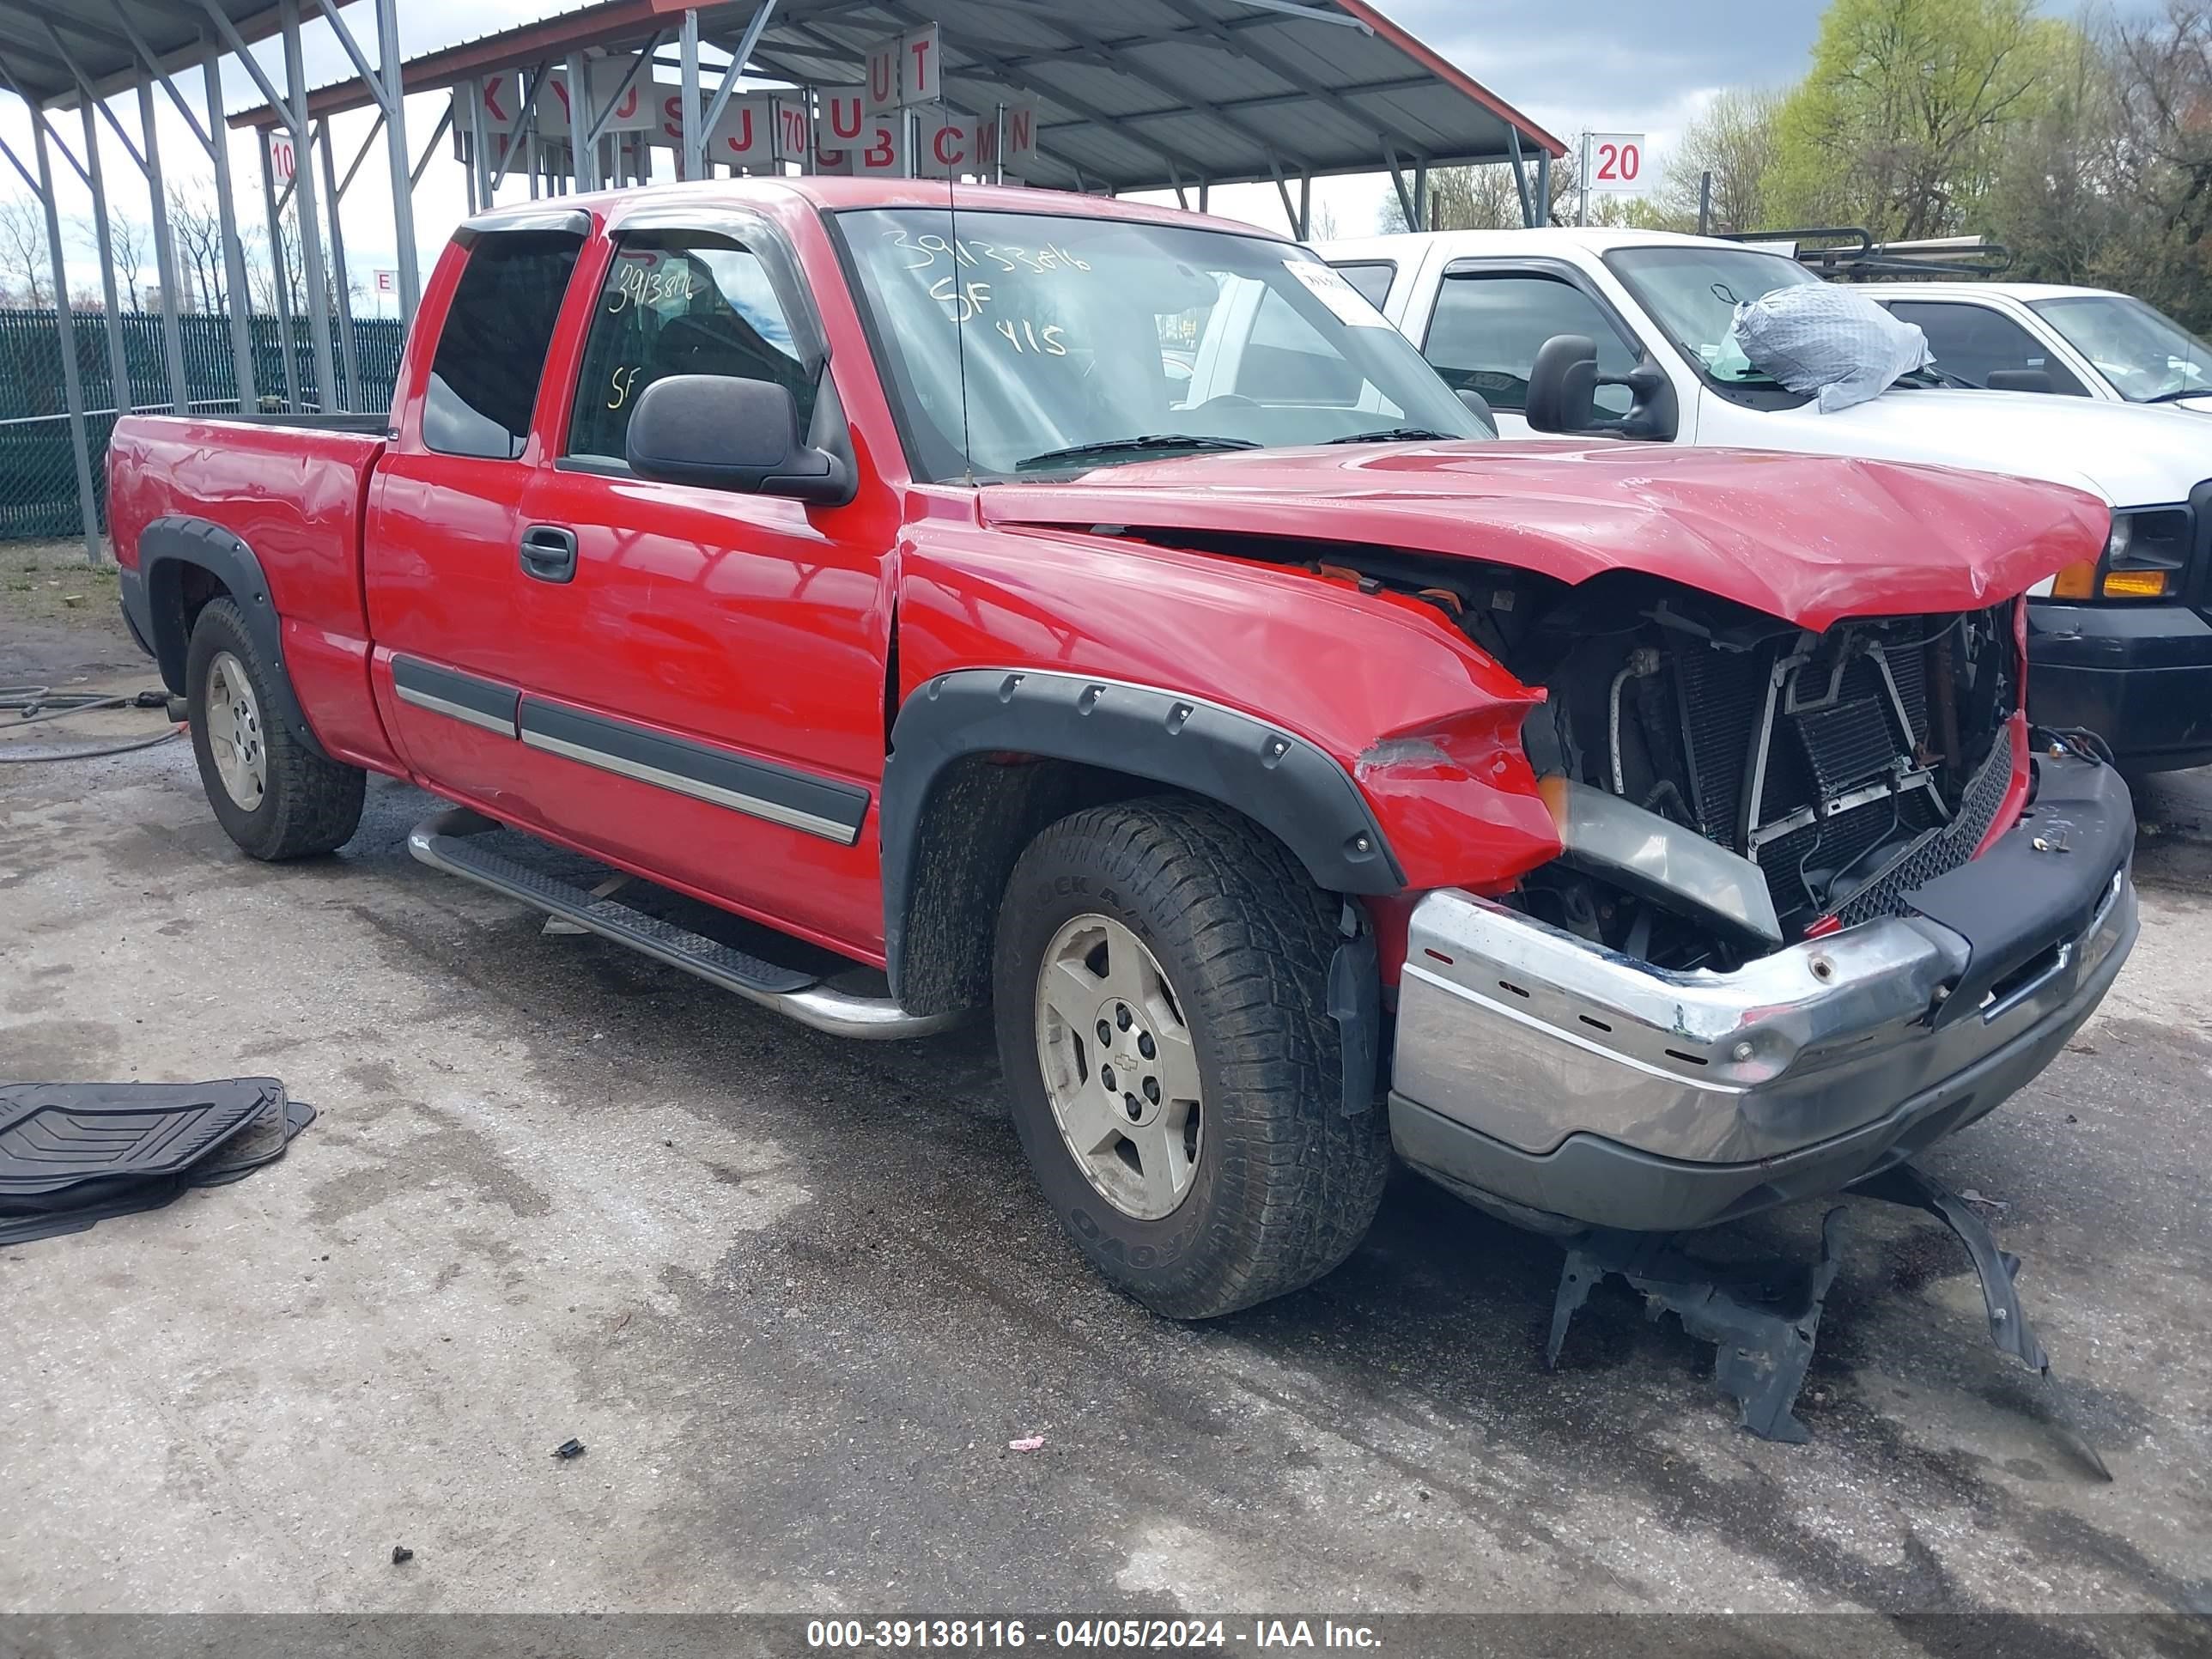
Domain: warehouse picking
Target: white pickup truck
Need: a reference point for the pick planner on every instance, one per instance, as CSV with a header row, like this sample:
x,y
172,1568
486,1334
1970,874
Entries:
x,y
1626,333
2040,336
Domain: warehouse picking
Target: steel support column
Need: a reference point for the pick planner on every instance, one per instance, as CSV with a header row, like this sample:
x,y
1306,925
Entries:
x,y
694,137
165,254
347,351
583,159
317,281
279,273
239,295
1398,183
1305,207
395,128
479,154
1521,177
72,384
119,360
1543,187
1421,192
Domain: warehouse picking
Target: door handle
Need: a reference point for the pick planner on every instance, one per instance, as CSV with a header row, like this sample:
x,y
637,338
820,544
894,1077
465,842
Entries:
x,y
549,553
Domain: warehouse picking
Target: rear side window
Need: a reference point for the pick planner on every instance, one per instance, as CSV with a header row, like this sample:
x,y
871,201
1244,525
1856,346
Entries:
x,y
492,351
1487,329
1973,341
679,303
1373,279
1285,361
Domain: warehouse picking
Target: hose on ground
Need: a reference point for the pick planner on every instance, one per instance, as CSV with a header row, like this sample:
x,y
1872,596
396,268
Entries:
x,y
38,703
93,754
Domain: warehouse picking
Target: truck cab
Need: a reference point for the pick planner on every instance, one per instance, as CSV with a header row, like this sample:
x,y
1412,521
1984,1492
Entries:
x,y
2120,645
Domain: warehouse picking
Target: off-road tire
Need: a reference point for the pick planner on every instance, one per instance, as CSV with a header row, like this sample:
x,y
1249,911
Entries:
x,y
1286,1184
311,805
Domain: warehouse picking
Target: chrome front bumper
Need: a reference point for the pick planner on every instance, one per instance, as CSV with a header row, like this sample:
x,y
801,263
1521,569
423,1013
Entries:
x,y
1535,1067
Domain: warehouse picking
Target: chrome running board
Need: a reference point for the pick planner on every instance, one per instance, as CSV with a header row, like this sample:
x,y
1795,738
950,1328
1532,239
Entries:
x,y
442,842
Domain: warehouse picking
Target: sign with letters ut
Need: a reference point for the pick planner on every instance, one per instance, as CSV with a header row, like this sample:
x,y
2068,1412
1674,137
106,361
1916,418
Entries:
x,y
902,70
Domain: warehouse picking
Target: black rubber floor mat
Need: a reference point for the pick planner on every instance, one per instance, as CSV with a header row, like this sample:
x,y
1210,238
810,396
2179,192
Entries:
x,y
57,1137
261,1140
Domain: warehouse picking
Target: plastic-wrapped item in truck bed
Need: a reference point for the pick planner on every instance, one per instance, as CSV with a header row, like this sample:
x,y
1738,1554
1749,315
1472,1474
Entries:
x,y
1832,341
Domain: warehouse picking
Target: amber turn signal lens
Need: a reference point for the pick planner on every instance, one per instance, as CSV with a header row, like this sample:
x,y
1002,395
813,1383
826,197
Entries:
x,y
2135,584
2077,581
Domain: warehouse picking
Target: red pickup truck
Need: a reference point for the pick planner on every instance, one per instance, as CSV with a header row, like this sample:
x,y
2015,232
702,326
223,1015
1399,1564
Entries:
x,y
1009,599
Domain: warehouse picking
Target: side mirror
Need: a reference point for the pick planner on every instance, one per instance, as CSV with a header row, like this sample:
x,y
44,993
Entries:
x,y
1563,384
731,434
2020,380
1478,406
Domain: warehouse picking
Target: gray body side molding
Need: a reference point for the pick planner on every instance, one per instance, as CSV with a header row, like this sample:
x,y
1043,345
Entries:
x,y
155,608
1297,792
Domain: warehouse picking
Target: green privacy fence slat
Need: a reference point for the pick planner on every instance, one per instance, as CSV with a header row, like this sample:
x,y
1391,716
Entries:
x,y
38,470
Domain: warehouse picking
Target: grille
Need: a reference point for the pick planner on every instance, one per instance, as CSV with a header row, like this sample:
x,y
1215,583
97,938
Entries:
x,y
1816,755
1834,844
1944,850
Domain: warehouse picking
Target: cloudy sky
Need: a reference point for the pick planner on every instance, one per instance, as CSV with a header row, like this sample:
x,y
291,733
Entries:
x,y
1615,65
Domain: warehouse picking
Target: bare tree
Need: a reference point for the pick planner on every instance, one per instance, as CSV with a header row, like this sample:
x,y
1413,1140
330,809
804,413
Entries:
x,y
26,274
1473,199
1483,198
260,270
1733,140
196,228
132,246
134,257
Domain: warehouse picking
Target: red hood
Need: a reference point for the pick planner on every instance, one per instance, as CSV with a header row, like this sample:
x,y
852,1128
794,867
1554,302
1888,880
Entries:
x,y
1810,539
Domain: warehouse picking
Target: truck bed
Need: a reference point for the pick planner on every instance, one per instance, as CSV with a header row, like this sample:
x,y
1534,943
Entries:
x,y
293,488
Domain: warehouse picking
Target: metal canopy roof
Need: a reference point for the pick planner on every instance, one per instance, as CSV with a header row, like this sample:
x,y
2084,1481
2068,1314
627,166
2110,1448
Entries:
x,y
1143,94
41,39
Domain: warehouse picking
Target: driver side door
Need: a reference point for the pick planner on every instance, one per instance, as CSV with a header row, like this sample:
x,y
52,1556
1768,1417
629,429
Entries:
x,y
708,666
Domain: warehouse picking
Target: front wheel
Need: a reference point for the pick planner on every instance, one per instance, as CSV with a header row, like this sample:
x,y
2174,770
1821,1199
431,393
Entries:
x,y
1161,986
273,795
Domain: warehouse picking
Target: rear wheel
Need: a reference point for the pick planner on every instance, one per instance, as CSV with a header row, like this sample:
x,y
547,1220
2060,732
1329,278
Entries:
x,y
272,794
1161,988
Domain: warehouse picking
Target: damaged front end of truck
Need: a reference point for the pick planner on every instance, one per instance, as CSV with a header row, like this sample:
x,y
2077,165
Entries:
x,y
1820,902
1735,874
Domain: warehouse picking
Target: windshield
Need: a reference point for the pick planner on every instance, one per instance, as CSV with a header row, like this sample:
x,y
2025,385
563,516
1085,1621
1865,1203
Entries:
x,y
2144,352
1693,292
1086,342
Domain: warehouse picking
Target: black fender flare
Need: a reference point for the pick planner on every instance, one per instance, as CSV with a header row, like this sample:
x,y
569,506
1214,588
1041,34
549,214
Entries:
x,y
153,604
1299,793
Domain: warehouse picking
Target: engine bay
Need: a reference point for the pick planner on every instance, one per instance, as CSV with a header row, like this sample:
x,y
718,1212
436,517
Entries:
x,y
1848,766
1840,769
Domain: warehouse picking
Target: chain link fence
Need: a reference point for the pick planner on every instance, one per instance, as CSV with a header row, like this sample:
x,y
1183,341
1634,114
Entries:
x,y
37,467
